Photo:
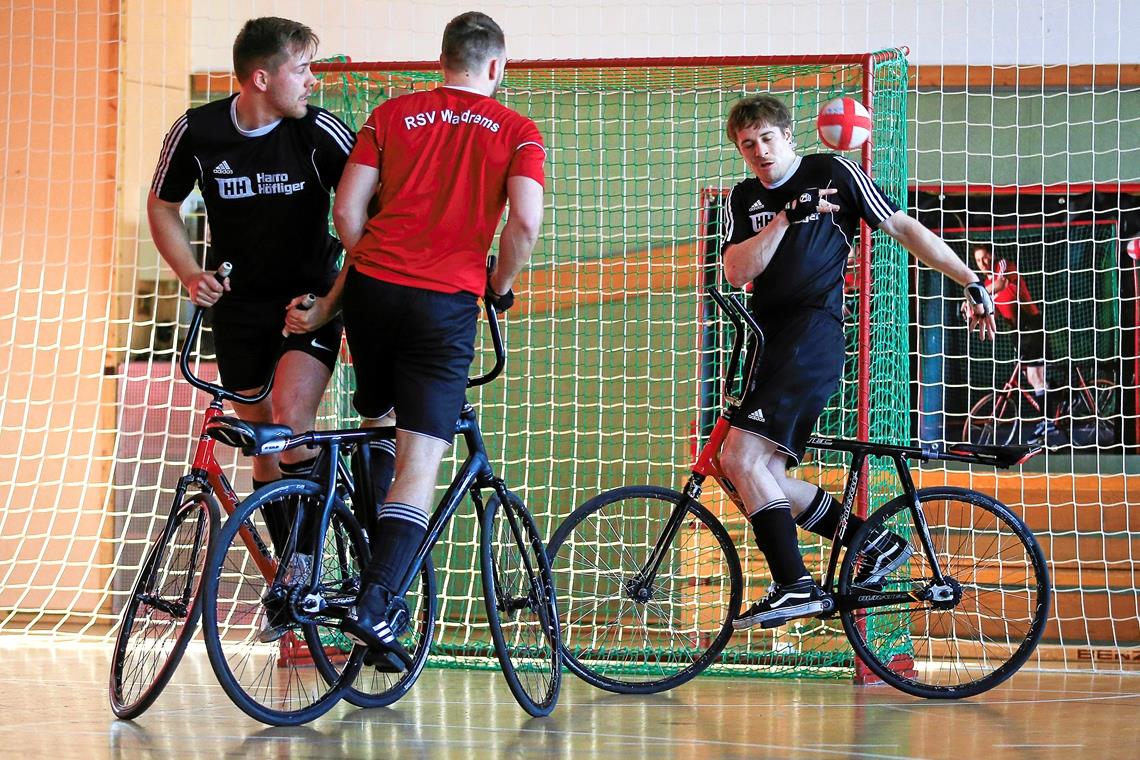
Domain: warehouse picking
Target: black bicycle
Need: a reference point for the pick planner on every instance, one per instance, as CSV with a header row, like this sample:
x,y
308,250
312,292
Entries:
x,y
649,579
517,585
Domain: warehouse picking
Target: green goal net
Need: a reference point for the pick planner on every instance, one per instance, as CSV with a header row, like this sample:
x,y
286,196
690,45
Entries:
x,y
611,354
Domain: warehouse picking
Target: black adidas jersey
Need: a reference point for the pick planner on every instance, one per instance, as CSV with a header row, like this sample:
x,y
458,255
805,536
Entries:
x,y
807,268
267,195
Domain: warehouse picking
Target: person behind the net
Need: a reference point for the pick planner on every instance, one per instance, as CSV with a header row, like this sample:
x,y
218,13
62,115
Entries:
x,y
266,162
1021,315
788,231
447,162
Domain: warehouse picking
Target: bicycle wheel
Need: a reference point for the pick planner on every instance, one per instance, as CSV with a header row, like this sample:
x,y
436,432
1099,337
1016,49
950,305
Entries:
x,y
1093,414
280,682
971,632
991,425
521,610
414,626
159,618
633,635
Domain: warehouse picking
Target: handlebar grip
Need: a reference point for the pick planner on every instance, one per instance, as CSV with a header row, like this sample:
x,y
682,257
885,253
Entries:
x,y
306,304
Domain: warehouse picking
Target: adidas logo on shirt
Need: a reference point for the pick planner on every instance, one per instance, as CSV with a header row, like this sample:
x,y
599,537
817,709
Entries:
x,y
757,415
223,168
756,206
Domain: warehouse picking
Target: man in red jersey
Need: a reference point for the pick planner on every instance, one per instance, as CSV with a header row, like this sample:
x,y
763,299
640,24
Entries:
x,y
1017,310
444,163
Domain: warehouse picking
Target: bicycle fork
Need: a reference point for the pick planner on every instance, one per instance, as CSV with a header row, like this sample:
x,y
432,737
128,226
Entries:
x,y
639,586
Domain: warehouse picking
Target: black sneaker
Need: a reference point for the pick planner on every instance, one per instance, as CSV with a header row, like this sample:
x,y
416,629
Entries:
x,y
802,598
274,619
367,624
883,555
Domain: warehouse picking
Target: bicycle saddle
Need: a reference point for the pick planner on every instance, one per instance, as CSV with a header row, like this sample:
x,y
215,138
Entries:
x,y
253,438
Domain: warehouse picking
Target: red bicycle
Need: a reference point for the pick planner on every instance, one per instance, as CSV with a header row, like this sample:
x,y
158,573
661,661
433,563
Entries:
x,y
159,618
648,579
1084,418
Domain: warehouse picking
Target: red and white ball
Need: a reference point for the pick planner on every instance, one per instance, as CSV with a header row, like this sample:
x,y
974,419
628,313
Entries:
x,y
844,124
1133,249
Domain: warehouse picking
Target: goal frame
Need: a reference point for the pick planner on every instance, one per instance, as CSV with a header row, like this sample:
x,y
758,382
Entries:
x,y
865,61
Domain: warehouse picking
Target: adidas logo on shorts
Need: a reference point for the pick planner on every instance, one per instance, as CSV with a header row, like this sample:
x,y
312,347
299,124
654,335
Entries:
x,y
223,168
757,415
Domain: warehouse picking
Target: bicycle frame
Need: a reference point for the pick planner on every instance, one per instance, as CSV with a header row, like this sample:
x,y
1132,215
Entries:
x,y
708,465
474,474
1014,387
205,472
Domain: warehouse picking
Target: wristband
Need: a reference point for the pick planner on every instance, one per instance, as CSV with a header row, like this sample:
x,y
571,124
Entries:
x,y
501,302
805,205
977,295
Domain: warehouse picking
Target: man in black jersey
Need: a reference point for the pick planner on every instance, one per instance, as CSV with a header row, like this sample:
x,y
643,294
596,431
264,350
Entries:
x,y
788,231
266,163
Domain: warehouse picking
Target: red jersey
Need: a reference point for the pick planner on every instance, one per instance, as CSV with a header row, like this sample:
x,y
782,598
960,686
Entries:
x,y
1015,294
444,157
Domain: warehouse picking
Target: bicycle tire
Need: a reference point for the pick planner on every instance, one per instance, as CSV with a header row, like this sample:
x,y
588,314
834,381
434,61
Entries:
x,y
602,545
988,427
519,594
276,682
154,629
1094,424
373,688
970,644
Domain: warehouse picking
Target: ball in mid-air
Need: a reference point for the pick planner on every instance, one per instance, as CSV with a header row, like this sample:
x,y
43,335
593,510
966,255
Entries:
x,y
844,124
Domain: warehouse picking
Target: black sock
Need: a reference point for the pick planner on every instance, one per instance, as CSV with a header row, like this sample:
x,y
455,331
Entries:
x,y
382,464
306,537
400,529
277,519
822,518
776,537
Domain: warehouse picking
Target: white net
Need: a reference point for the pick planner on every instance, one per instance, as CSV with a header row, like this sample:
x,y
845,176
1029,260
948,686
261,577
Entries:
x,y
95,425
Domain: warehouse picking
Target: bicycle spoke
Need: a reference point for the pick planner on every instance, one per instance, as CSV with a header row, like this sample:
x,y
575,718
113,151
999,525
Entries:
x,y
982,631
628,633
277,662
516,582
159,618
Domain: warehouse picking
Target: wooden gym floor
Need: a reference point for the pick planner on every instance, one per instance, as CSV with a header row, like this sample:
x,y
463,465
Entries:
x,y
54,704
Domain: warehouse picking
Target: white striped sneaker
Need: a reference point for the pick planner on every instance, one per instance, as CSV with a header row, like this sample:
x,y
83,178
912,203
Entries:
x,y
800,598
881,556
367,625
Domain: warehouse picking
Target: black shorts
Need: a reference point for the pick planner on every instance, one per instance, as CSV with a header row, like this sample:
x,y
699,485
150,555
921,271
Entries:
x,y
248,341
789,385
1030,339
411,351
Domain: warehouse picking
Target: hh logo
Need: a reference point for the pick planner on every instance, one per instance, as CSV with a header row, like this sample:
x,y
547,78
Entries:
x,y
761,220
235,187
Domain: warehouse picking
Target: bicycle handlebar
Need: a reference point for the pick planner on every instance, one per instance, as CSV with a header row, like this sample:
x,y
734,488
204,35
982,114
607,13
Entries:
x,y
739,316
191,338
496,339
742,314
